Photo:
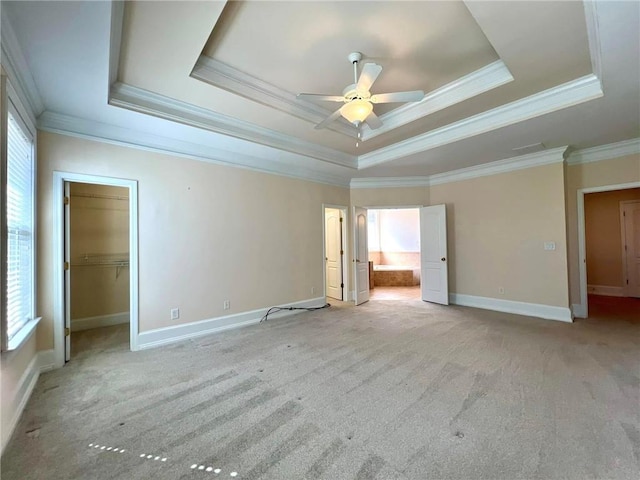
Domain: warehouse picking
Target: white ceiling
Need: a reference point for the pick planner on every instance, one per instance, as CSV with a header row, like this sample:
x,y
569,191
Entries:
x,y
217,81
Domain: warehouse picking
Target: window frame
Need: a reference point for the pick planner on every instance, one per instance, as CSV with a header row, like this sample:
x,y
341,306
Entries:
x,y
10,103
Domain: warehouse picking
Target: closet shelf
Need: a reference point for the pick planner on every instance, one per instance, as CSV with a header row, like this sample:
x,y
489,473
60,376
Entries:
x,y
102,259
117,260
98,195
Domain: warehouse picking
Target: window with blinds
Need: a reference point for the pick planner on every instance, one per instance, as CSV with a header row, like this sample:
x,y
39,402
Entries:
x,y
20,227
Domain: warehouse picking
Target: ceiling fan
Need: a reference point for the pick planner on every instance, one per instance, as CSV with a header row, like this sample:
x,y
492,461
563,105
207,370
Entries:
x,y
358,101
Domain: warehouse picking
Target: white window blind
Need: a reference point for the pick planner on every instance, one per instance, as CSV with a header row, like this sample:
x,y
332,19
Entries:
x,y
20,227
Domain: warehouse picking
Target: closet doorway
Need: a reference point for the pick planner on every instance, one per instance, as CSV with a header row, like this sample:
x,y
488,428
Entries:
x,y
97,227
95,268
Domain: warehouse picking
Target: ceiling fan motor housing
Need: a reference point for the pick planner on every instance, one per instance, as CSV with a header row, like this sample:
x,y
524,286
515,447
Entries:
x,y
350,93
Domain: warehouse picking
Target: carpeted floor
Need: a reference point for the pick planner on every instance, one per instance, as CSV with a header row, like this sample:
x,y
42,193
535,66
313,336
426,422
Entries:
x,y
387,390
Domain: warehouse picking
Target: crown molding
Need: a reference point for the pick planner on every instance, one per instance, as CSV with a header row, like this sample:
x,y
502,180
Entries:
x,y
103,132
149,103
562,96
17,69
482,80
593,35
537,159
224,76
605,152
115,39
389,182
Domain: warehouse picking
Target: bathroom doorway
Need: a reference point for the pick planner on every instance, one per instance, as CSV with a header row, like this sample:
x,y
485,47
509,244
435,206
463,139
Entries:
x,y
394,253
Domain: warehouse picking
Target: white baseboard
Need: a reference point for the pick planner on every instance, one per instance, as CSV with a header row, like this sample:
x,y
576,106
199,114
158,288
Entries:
x,y
164,336
46,360
579,310
41,362
606,290
547,312
99,321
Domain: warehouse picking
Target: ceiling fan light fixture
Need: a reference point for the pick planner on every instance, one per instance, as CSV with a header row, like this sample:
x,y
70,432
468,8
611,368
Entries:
x,y
356,111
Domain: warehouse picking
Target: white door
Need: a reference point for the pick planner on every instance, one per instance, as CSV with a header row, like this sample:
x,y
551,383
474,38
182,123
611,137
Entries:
x,y
361,254
433,254
67,271
333,252
631,253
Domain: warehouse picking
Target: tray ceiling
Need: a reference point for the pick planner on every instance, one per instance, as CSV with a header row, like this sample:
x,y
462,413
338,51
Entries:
x,y
218,80
246,61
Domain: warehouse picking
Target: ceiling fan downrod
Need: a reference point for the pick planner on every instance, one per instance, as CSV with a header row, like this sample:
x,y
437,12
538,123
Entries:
x,y
354,58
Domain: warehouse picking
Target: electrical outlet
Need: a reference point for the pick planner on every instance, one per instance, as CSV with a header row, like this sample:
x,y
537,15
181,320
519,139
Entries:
x,y
501,290
549,245
313,290
175,313
226,305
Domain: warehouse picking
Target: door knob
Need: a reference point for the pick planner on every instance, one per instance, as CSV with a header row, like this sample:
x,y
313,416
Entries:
x,y
443,259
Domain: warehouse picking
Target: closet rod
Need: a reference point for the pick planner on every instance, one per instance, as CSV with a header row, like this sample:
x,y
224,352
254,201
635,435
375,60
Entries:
x,y
98,195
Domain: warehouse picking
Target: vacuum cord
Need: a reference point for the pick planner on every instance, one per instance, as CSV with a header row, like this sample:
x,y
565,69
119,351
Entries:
x,y
279,309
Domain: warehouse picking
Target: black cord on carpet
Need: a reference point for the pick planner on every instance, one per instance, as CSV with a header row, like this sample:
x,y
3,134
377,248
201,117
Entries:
x,y
279,309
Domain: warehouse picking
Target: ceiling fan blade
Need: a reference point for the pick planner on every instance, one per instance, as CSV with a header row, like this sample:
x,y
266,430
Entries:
x,y
398,97
328,120
373,121
369,73
315,97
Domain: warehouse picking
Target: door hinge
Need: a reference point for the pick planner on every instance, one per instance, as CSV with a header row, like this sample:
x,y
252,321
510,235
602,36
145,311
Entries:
x,y
340,219
342,285
627,281
67,331
341,252
66,266
66,200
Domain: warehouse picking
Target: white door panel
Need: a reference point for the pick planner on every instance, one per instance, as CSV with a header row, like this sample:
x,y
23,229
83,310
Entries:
x,y
333,257
361,255
433,254
67,271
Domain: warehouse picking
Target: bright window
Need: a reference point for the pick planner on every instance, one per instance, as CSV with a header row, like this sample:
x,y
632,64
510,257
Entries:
x,y
20,194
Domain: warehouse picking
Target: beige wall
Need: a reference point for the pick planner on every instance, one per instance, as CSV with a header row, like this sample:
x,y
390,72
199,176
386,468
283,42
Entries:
x,y
496,228
14,368
588,175
389,197
207,233
99,226
603,235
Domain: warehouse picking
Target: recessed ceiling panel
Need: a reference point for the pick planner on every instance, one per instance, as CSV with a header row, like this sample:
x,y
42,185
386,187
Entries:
x,y
303,46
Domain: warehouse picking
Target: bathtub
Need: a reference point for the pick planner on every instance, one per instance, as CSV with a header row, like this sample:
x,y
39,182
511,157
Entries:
x,y
395,275
391,268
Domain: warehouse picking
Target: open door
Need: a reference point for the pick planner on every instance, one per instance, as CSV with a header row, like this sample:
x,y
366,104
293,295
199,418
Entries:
x,y
67,271
631,252
333,252
434,276
361,254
